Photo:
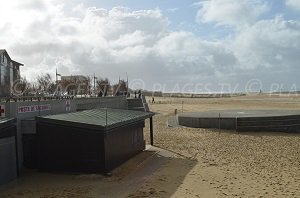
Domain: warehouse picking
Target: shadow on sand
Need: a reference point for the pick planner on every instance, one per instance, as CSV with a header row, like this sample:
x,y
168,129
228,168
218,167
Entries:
x,y
152,173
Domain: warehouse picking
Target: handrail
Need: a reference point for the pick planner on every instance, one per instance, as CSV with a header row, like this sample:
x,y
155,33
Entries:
x,y
34,98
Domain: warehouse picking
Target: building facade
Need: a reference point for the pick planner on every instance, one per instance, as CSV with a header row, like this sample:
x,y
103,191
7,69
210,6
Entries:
x,y
74,78
9,73
75,85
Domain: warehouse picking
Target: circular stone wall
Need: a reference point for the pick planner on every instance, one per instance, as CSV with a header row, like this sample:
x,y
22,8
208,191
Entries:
x,y
243,120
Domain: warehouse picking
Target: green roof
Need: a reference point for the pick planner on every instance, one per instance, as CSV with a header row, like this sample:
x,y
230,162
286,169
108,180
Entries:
x,y
103,119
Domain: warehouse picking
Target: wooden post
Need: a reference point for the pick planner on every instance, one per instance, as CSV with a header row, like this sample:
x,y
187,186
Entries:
x,y
219,122
151,131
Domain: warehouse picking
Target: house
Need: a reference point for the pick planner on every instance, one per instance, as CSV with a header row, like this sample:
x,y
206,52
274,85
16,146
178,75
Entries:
x,y
9,73
74,78
75,85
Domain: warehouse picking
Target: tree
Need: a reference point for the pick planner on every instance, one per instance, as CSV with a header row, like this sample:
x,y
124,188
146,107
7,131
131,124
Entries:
x,y
75,85
44,82
121,87
83,85
103,86
87,83
21,87
67,86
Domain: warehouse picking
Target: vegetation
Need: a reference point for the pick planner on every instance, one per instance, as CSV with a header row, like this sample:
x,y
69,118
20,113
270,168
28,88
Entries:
x,y
44,85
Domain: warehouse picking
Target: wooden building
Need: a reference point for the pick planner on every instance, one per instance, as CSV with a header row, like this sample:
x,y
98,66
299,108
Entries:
x,y
92,141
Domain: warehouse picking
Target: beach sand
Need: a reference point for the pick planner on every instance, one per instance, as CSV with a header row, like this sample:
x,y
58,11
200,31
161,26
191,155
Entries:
x,y
231,164
192,162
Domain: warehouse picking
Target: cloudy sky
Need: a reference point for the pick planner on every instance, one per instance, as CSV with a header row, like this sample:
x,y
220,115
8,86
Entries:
x,y
173,45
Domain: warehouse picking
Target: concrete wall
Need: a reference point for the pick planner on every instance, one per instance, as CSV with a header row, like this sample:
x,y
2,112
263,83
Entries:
x,y
289,123
119,102
8,159
199,122
28,110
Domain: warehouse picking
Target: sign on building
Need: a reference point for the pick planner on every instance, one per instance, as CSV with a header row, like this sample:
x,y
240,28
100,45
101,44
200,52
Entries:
x,y
34,108
2,111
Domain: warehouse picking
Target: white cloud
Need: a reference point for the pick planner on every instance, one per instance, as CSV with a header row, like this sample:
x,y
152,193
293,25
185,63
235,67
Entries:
x,y
81,40
230,12
293,4
273,44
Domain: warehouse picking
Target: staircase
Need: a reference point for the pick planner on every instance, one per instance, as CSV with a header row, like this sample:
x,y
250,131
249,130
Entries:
x,y
138,104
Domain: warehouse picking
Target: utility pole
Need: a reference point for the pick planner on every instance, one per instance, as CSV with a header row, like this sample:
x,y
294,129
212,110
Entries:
x,y
56,74
127,82
95,84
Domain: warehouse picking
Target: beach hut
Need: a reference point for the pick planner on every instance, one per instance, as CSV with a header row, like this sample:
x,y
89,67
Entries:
x,y
92,141
8,151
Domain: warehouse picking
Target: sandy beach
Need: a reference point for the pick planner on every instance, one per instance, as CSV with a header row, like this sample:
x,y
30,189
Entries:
x,y
189,162
231,164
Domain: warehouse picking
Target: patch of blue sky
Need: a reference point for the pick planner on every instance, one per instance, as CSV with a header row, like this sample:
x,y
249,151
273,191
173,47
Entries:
x,y
182,14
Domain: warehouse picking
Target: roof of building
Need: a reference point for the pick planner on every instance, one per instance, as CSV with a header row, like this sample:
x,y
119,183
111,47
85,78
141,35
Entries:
x,y
98,119
17,63
2,51
74,76
5,122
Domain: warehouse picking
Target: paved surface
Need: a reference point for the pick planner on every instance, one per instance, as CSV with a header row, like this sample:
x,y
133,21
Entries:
x,y
173,122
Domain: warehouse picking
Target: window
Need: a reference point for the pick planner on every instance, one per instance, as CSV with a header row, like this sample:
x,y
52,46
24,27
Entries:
x,y
2,72
4,60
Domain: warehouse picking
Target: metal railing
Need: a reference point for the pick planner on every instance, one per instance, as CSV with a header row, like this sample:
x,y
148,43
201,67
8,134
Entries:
x,y
34,98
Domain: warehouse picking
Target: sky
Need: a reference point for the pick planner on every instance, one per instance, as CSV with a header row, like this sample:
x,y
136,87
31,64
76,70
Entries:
x,y
167,45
